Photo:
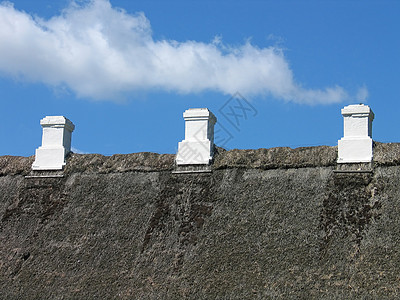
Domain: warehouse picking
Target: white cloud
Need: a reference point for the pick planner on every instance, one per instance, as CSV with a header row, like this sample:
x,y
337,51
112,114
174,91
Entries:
x,y
101,52
362,94
77,151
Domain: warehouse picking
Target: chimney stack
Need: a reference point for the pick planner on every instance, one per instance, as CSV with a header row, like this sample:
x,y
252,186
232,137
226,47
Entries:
x,y
356,144
56,143
198,146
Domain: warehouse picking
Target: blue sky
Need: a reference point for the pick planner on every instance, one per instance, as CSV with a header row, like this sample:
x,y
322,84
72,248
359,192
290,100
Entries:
x,y
124,71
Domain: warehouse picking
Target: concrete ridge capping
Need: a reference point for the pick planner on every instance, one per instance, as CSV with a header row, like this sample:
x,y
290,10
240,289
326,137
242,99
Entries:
x,y
198,146
56,143
356,146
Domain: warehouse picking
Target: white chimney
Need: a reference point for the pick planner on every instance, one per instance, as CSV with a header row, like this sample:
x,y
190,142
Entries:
x,y
198,145
56,143
356,145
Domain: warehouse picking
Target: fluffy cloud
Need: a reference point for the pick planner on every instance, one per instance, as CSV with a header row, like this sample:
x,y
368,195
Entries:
x,y
101,52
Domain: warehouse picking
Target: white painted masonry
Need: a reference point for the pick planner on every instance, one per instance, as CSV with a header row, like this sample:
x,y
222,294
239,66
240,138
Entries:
x,y
198,145
56,143
356,144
